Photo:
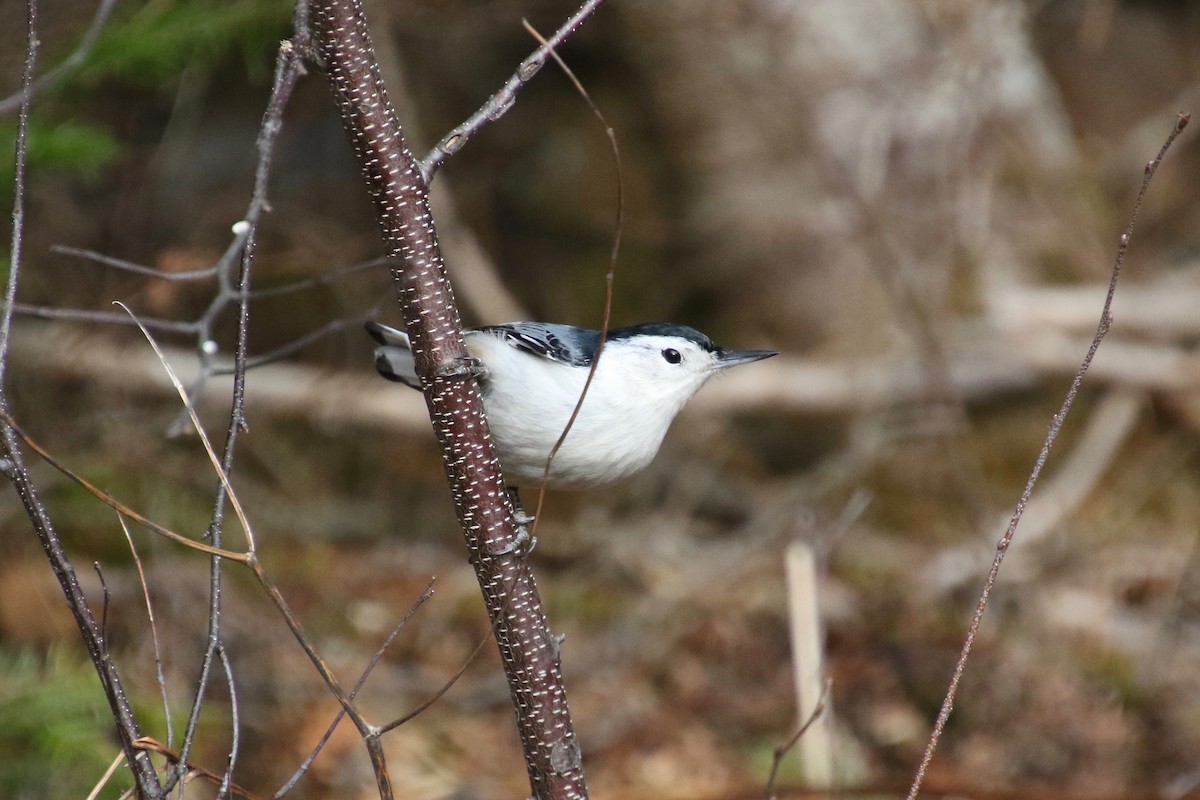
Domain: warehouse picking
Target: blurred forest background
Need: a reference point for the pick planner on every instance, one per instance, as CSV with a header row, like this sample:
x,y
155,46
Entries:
x,y
917,201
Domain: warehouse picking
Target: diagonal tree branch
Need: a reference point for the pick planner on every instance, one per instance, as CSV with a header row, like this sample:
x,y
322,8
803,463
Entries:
x,y
529,652
1056,424
12,464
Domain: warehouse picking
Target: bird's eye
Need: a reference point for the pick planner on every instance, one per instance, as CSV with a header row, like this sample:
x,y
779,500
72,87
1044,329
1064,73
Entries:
x,y
672,355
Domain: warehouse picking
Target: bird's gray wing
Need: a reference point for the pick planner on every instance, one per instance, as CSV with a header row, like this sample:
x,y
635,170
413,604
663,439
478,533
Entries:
x,y
393,357
564,344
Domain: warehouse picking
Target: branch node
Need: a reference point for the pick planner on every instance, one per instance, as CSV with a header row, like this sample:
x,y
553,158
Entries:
x,y
565,756
530,67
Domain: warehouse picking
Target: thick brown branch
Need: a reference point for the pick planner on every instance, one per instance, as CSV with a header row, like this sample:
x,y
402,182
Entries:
x,y
528,650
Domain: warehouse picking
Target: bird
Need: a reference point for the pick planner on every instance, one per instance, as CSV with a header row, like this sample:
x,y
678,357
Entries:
x,y
531,375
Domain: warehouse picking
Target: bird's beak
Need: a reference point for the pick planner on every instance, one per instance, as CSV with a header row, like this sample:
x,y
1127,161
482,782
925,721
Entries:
x,y
731,358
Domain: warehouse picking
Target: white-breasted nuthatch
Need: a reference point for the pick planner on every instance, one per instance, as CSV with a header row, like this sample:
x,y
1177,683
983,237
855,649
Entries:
x,y
532,373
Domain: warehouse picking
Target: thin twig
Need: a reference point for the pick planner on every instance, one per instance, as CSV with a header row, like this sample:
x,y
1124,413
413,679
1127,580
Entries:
x,y
105,603
322,279
110,501
618,227
283,351
1055,426
217,464
498,104
10,104
293,623
18,213
122,265
440,692
105,317
362,680
158,662
235,724
786,747
289,66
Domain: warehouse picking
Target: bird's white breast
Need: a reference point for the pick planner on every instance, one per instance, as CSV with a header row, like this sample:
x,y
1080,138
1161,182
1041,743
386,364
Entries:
x,y
529,400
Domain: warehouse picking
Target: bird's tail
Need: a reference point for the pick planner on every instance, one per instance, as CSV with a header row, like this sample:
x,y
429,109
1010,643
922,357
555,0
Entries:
x,y
394,358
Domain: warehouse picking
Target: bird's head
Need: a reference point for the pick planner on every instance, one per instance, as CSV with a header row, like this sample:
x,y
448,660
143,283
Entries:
x,y
669,362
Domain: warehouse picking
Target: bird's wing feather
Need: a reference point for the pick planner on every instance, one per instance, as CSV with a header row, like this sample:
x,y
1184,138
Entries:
x,y
565,344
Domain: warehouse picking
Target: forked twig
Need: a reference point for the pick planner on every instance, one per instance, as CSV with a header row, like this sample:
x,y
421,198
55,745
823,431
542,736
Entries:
x,y
1055,426
362,681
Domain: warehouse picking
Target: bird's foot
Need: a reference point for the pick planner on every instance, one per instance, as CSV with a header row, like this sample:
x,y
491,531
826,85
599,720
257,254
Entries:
x,y
522,545
465,367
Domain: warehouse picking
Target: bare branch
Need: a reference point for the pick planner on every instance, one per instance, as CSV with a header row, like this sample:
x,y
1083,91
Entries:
x,y
362,680
112,502
158,663
217,464
288,69
440,692
18,214
785,748
81,51
234,723
13,462
1055,426
107,317
136,269
529,652
282,352
498,104
325,278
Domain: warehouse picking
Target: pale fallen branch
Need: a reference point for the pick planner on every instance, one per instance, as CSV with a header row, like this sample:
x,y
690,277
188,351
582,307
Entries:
x,y
982,365
1166,309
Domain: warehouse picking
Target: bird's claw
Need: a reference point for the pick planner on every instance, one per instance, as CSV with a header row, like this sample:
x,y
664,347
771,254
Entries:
x,y
465,367
522,544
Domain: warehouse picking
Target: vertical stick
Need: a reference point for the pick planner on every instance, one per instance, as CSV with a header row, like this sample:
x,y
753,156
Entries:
x,y
814,748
